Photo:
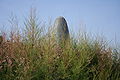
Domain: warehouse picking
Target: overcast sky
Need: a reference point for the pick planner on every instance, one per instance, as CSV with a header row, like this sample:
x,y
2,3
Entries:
x,y
98,16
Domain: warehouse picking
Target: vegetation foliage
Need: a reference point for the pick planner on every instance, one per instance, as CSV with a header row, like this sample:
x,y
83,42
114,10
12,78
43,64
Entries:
x,y
35,55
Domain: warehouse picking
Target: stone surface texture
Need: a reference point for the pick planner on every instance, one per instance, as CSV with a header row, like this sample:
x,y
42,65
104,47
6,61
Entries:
x,y
62,31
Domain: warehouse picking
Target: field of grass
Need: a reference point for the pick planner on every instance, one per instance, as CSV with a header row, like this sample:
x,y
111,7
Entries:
x,y
34,54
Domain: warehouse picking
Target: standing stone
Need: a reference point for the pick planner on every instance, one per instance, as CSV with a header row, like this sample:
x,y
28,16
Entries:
x,y
62,32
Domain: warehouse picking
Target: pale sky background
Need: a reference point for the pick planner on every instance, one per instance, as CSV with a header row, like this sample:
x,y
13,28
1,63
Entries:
x,y
98,16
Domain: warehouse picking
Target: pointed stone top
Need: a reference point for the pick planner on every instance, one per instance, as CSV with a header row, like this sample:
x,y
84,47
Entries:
x,y
60,18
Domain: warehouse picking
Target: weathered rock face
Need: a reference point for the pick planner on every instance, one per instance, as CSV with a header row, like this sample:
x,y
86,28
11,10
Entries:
x,y
62,33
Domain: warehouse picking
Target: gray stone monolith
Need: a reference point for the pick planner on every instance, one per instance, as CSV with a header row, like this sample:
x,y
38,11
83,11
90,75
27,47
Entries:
x,y
62,32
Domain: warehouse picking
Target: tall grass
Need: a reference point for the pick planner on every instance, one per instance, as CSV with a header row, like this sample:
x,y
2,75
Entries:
x,y
34,55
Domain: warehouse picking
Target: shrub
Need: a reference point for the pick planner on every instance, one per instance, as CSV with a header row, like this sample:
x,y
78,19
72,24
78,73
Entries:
x,y
34,56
